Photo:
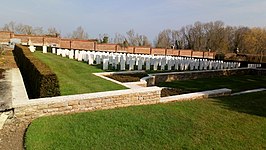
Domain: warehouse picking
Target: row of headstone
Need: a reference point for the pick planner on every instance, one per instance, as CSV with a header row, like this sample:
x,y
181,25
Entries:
x,y
254,65
122,61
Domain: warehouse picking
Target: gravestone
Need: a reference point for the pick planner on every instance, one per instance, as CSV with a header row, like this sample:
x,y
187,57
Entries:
x,y
44,49
53,50
122,64
105,64
71,54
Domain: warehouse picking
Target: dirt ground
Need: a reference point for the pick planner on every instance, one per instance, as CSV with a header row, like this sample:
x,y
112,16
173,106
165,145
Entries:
x,y
172,91
12,134
128,77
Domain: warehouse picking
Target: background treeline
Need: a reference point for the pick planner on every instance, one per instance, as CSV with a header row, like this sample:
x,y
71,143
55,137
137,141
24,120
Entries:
x,y
215,36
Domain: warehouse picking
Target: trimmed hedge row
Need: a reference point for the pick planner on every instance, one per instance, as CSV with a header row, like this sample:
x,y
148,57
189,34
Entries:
x,y
38,78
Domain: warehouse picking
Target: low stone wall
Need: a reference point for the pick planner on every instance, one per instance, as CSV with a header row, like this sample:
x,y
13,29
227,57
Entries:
x,y
188,75
197,95
34,108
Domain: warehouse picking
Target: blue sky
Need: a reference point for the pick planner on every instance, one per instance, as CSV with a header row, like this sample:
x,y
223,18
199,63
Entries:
x,y
147,17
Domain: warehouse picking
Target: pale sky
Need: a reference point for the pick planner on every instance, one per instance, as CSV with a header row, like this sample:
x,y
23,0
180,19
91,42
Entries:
x,y
147,17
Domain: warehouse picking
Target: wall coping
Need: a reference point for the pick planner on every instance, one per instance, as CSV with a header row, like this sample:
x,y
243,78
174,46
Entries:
x,y
58,99
198,71
19,93
197,95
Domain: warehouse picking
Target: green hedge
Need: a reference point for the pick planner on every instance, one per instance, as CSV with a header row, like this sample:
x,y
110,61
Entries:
x,y
39,80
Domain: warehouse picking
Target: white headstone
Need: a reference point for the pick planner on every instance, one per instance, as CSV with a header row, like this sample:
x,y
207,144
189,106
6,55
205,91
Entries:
x,y
76,54
44,49
105,64
53,50
71,54
122,64
148,64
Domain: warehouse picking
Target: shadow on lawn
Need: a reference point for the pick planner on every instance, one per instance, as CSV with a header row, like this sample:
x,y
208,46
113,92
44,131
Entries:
x,y
253,103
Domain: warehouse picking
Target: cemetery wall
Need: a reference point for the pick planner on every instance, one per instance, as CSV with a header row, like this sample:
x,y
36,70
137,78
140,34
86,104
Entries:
x,y
82,44
158,51
198,54
5,37
188,75
107,47
24,38
52,41
34,108
187,53
65,43
92,45
142,50
129,49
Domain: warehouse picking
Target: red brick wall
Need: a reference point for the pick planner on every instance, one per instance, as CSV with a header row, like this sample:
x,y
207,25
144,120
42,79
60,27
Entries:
x,y
82,44
106,47
5,37
65,43
142,50
186,53
129,49
37,40
24,38
197,54
52,40
158,51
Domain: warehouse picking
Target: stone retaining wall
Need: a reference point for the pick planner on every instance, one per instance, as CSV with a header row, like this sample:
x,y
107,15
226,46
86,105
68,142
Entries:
x,y
188,75
35,108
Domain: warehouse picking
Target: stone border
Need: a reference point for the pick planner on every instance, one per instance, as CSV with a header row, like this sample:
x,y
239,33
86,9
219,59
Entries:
x,y
171,76
197,95
19,93
35,108
131,85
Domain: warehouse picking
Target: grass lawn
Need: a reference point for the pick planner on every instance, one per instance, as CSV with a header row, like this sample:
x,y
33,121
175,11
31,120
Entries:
x,y
237,122
76,77
236,83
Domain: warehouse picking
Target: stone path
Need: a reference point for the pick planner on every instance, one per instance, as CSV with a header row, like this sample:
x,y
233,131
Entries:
x,y
5,91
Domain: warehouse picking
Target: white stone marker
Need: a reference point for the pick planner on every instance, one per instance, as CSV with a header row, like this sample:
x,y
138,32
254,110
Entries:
x,y
76,54
105,64
58,52
91,59
71,54
53,50
139,64
80,56
131,64
148,64
155,64
98,59
32,48
63,52
122,64
44,49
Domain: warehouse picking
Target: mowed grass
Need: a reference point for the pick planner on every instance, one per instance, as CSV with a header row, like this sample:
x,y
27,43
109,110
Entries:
x,y
236,83
237,122
76,77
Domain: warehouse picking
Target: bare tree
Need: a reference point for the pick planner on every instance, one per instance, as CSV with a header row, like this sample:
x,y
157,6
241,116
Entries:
x,y
9,26
134,39
168,39
79,33
118,39
52,31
